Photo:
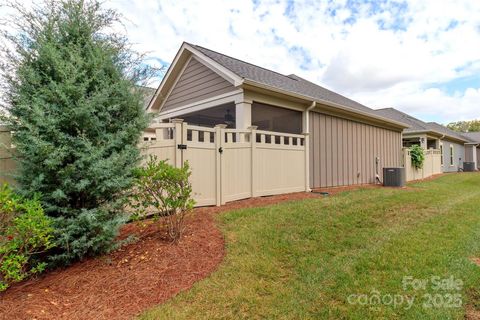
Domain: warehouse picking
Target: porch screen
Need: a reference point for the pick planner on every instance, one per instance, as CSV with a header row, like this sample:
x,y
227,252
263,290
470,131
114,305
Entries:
x,y
271,118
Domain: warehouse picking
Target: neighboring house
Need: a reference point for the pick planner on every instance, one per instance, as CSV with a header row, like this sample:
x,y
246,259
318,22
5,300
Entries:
x,y
472,149
348,142
431,135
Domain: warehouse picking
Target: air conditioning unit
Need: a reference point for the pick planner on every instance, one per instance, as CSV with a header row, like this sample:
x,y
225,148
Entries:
x,y
394,177
469,166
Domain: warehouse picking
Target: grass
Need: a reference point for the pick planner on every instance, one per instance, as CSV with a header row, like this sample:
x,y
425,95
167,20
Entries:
x,y
304,259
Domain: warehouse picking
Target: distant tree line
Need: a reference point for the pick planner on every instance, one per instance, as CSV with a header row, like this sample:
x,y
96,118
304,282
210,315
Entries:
x,y
465,126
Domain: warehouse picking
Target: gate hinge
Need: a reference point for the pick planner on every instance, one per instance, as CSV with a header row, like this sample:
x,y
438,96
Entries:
x,y
182,146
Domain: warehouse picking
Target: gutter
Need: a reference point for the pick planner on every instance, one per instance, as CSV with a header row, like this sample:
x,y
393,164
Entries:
x,y
325,102
442,135
312,106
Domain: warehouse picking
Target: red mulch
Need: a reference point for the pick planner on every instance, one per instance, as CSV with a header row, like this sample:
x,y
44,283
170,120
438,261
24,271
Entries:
x,y
136,277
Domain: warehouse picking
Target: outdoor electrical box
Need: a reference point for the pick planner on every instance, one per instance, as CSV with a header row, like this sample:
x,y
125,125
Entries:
x,y
394,177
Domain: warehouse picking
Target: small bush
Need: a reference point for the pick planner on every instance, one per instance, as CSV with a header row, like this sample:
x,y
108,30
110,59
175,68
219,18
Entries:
x,y
164,191
24,232
417,155
91,232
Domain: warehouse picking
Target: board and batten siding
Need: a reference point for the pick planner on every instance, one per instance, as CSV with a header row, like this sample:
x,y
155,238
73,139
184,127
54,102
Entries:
x,y
343,152
197,82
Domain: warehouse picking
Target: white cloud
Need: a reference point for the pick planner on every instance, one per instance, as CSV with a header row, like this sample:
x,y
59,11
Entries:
x,y
406,55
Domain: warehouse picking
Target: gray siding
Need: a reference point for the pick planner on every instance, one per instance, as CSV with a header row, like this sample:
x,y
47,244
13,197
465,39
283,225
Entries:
x,y
458,153
343,152
197,82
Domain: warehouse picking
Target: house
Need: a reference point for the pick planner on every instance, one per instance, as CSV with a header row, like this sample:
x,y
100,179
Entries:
x,y
472,149
431,135
346,142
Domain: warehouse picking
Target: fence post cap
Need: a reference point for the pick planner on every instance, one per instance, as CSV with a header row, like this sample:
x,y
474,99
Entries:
x,y
177,120
221,126
252,128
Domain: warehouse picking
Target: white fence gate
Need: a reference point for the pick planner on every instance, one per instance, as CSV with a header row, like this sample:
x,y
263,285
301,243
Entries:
x,y
233,164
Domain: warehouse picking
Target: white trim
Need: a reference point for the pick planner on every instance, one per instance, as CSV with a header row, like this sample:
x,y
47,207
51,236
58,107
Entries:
x,y
452,156
215,66
200,57
273,101
200,105
324,102
164,79
440,146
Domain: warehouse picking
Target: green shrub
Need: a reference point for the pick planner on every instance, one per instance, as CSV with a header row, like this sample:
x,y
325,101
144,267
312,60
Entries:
x,y
24,233
164,191
89,233
71,99
417,155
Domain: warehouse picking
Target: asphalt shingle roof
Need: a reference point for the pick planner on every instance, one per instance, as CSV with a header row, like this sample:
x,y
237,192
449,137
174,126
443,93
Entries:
x,y
472,136
416,125
291,83
413,123
444,130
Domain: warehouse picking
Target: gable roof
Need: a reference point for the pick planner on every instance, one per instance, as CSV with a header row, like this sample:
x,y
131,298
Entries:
x,y
419,126
447,131
291,83
241,73
414,124
474,137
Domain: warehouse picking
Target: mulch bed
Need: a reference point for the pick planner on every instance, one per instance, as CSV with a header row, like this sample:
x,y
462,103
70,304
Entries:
x,y
139,275
136,277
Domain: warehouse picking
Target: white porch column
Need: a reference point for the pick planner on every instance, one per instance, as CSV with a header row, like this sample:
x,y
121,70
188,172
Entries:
x,y
475,159
243,114
423,141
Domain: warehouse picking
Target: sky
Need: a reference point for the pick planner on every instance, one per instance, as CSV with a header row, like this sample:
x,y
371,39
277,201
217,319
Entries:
x,y
421,57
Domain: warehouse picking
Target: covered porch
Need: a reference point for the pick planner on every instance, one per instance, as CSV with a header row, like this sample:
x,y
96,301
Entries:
x,y
426,141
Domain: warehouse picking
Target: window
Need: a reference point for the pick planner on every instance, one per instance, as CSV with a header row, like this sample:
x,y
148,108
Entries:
x,y
441,154
451,155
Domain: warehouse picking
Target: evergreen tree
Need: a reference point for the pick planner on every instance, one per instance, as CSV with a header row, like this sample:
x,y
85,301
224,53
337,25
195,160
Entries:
x,y
71,101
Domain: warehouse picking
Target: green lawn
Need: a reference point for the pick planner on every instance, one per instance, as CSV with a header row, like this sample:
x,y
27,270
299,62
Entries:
x,y
320,258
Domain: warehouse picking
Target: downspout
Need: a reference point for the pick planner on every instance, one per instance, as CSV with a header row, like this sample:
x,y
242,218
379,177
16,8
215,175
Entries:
x,y
307,120
313,105
306,132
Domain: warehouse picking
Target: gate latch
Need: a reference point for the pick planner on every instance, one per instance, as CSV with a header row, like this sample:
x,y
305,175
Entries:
x,y
182,146
220,150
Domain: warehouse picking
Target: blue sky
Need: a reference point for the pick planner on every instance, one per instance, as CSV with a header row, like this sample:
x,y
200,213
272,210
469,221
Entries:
x,y
420,56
